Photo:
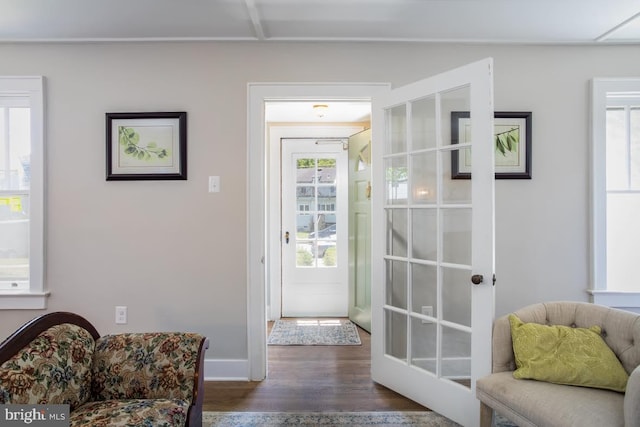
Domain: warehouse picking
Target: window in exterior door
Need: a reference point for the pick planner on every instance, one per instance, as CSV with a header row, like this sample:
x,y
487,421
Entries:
x,y
316,226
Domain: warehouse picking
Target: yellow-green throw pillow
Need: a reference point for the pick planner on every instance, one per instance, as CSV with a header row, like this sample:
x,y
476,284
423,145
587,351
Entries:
x,y
565,355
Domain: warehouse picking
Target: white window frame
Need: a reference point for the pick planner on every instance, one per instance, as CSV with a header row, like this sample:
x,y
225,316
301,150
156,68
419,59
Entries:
x,y
31,87
602,294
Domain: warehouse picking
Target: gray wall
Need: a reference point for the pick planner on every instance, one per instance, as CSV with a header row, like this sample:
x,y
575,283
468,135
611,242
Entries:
x,y
175,254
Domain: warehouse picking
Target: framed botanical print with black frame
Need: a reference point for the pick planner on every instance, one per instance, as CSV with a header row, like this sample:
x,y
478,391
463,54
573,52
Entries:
x,y
512,140
146,146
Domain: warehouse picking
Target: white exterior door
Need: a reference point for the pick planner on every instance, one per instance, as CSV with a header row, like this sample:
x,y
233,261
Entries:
x,y
433,232
314,227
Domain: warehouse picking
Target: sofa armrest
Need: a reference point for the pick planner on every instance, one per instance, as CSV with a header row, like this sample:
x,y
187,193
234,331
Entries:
x,y
161,365
48,361
632,400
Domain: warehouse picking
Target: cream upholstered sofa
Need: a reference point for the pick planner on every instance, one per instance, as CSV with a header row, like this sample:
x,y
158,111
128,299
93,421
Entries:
x,y
537,403
121,380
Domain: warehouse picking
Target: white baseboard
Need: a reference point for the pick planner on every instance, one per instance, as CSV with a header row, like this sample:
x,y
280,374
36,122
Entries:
x,y
226,370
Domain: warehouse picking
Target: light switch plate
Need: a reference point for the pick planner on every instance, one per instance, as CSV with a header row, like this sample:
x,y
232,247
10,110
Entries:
x,y
214,184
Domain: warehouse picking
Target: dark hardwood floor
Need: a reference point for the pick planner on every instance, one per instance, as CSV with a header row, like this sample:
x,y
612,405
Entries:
x,y
310,378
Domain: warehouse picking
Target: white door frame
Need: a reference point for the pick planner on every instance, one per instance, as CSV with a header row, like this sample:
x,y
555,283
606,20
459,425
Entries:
x,y
276,134
257,191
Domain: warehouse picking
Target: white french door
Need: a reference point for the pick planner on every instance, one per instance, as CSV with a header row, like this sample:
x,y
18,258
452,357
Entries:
x,y
433,235
314,227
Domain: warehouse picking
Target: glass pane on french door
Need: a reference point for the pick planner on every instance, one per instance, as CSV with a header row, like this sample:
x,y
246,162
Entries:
x,y
427,311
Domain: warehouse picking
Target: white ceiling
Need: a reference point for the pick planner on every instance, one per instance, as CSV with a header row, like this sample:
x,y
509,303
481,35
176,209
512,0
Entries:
x,y
303,111
447,21
487,21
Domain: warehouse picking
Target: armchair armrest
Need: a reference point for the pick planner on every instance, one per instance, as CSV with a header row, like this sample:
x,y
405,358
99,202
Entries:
x,y
163,365
632,400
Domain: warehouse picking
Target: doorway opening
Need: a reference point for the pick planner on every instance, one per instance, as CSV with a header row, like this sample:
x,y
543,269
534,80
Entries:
x,y
304,203
308,226
264,241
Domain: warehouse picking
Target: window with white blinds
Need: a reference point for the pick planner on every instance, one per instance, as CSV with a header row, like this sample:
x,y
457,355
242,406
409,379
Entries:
x,y
21,193
616,192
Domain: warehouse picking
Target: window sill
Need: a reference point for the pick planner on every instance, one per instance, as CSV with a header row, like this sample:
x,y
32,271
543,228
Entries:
x,y
23,300
624,300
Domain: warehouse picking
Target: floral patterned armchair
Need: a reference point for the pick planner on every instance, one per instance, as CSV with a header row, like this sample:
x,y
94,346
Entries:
x,y
134,379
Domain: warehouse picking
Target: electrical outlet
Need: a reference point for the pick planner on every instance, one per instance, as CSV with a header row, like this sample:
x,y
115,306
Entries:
x,y
121,315
427,310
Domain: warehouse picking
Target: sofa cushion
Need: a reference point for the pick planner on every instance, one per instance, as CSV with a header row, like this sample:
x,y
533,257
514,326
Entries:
x,y
132,412
145,366
54,368
538,403
565,355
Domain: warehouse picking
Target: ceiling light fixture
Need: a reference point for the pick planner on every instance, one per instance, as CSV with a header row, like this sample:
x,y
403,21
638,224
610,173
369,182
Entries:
x,y
320,109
